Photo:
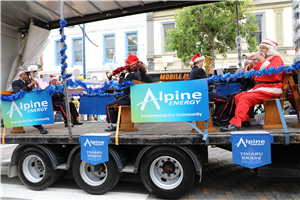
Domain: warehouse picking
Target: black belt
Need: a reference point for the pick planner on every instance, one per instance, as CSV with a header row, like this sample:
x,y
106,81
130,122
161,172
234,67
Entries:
x,y
256,83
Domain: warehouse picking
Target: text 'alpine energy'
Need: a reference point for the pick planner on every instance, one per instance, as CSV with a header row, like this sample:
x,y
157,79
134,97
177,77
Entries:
x,y
172,99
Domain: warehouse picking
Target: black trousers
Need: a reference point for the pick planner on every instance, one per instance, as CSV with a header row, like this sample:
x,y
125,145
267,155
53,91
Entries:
x,y
231,108
112,114
62,107
221,103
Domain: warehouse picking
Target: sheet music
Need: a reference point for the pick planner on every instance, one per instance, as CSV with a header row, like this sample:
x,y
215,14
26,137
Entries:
x,y
112,66
219,71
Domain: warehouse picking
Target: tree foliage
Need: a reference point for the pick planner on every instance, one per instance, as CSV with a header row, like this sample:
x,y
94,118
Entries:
x,y
209,27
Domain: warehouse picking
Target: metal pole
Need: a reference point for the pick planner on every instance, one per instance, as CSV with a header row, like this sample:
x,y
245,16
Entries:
x,y
83,51
298,50
239,48
65,79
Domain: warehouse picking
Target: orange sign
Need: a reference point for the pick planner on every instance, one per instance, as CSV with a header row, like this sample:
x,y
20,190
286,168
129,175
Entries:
x,y
179,76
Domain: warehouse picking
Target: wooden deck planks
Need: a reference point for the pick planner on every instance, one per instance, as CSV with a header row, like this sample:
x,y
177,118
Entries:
x,y
149,133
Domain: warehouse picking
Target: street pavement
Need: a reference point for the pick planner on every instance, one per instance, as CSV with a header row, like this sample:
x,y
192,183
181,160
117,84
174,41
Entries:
x,y
221,180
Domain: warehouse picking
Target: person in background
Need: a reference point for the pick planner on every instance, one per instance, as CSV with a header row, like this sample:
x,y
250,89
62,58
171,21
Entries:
x,y
24,84
292,111
58,101
144,76
245,85
266,87
76,102
221,101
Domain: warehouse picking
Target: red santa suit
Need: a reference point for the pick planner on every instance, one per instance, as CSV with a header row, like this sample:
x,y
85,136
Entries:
x,y
266,87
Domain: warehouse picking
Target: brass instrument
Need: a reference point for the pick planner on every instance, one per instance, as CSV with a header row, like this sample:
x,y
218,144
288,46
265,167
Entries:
x,y
208,61
32,72
249,62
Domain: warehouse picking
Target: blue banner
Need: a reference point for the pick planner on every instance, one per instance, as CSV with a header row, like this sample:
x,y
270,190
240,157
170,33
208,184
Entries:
x,y
94,105
94,147
170,101
32,109
251,148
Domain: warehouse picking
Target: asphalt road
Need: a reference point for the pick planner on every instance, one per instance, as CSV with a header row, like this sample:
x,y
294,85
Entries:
x,y
222,179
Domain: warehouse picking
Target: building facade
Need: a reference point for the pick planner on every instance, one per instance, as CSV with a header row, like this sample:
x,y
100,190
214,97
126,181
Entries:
x,y
144,35
108,44
274,20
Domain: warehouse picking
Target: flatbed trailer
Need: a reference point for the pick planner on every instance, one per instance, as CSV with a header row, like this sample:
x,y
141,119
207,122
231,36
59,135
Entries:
x,y
137,152
168,156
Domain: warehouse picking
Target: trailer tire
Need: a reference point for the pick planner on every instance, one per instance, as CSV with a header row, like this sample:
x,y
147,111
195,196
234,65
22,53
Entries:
x,y
167,172
35,169
95,179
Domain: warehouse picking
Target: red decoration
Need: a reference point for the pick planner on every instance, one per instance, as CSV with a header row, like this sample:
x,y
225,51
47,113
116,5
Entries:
x,y
128,67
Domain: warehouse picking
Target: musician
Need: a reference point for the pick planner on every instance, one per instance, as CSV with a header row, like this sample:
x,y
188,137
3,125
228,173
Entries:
x,y
266,87
125,99
24,84
245,85
58,101
221,101
144,76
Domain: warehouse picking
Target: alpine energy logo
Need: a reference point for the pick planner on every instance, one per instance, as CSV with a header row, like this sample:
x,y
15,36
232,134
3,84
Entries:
x,y
31,107
149,94
171,99
93,142
252,142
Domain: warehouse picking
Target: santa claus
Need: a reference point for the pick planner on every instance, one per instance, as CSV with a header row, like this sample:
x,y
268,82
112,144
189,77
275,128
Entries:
x,y
266,87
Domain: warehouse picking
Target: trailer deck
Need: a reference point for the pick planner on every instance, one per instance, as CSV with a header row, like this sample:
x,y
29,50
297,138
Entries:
x,y
169,133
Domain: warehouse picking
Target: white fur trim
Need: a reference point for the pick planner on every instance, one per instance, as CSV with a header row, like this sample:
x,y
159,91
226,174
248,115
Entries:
x,y
269,43
198,59
269,90
265,64
47,78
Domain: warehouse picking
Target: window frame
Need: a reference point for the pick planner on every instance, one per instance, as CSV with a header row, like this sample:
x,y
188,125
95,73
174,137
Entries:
x,y
263,24
57,61
126,43
73,50
163,36
104,49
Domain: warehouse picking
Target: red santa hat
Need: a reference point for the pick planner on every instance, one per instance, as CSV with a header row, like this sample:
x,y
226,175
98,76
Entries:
x,y
197,57
20,72
131,59
47,78
269,42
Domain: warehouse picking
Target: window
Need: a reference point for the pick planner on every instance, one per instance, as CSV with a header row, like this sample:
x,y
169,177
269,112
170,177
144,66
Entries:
x,y
166,27
131,44
57,52
77,51
258,33
109,48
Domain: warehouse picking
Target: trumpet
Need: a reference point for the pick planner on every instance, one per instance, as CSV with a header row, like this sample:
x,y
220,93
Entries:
x,y
32,76
250,60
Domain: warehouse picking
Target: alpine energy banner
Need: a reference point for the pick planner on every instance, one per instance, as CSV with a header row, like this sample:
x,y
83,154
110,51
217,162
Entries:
x,y
32,109
170,101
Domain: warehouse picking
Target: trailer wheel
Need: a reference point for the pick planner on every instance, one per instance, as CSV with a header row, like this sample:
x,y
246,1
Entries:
x,y
35,169
167,172
95,179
